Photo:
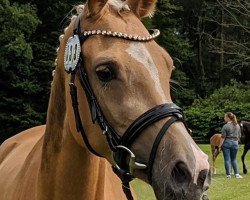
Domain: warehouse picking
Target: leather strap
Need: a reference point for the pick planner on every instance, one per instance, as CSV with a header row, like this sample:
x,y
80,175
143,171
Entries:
x,y
112,137
79,127
148,118
157,141
140,124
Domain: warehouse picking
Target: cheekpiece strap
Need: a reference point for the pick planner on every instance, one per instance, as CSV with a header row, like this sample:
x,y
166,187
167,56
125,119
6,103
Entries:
x,y
79,127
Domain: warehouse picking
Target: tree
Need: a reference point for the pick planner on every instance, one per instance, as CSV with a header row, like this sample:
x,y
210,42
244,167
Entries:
x,y
29,38
177,45
218,34
228,36
17,79
208,113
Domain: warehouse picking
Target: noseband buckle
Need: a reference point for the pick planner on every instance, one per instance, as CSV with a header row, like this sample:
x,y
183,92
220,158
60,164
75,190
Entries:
x,y
133,165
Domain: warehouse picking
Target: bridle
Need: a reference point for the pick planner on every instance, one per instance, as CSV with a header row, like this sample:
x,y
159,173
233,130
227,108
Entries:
x,y
120,145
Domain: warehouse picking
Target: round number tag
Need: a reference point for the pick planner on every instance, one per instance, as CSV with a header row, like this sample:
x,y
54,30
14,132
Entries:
x,y
72,53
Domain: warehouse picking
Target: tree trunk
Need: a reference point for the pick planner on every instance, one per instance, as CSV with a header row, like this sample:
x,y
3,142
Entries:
x,y
221,48
200,30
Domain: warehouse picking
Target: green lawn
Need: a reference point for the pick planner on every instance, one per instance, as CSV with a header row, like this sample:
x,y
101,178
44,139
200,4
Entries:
x,y
221,187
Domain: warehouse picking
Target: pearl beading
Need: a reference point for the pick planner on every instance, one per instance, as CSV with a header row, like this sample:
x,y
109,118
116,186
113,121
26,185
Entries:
x,y
155,34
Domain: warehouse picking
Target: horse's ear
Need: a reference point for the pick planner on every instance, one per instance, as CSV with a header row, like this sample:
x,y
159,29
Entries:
x,y
95,6
142,8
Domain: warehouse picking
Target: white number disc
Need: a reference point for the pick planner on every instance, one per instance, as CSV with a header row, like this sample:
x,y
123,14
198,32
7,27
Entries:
x,y
72,53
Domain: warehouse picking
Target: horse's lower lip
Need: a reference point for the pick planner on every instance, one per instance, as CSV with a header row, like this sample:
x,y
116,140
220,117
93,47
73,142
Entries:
x,y
181,194
191,191
176,182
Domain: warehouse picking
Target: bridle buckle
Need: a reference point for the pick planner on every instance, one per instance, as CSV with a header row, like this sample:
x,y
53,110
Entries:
x,y
133,165
105,131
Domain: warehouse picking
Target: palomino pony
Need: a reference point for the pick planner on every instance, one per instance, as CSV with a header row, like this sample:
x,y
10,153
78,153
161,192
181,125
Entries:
x,y
215,141
214,144
245,130
110,105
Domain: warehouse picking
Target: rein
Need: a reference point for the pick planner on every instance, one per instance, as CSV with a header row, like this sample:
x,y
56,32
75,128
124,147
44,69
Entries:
x,y
120,145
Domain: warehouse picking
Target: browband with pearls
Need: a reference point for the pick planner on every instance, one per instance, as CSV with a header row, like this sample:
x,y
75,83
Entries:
x,y
153,34
73,46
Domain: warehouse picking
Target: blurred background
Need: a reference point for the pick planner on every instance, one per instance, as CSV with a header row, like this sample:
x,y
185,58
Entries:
x,y
208,40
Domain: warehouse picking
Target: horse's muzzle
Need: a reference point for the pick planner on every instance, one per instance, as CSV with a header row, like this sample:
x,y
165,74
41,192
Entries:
x,y
180,184
181,170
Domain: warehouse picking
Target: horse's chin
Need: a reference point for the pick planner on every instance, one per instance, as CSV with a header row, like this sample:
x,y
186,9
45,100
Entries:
x,y
173,193
179,185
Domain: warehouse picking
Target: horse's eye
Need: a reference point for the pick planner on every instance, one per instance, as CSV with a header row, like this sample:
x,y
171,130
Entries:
x,y
105,73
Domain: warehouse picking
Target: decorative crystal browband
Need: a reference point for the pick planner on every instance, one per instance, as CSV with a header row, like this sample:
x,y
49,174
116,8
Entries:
x,y
154,33
73,46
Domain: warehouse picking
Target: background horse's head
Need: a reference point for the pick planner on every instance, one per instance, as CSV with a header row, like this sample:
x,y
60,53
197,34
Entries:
x,y
128,78
245,127
245,133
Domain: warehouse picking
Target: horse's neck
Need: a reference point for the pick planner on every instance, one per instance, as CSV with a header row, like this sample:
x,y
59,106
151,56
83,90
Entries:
x,y
71,172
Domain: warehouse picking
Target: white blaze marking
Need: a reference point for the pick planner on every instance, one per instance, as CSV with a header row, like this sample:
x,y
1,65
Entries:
x,y
140,53
119,4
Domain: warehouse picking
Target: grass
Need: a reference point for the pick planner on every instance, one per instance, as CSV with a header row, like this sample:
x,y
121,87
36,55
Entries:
x,y
221,187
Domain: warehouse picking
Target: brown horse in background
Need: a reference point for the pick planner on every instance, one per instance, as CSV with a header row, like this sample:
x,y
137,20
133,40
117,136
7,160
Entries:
x,y
122,79
214,144
215,141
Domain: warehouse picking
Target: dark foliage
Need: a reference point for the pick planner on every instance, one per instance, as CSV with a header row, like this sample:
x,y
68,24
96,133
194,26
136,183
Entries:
x,y
208,40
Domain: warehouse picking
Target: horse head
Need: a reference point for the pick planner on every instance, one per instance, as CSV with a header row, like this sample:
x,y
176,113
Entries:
x,y
119,86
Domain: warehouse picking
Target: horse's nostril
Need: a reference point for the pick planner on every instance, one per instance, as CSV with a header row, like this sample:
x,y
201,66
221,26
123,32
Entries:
x,y
202,178
180,174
